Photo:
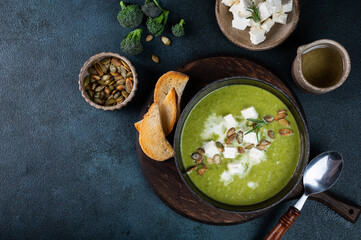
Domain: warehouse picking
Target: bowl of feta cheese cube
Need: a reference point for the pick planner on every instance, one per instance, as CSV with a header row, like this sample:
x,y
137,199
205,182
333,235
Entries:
x,y
257,24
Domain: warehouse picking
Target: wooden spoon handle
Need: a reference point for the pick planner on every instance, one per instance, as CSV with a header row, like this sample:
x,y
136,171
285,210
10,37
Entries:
x,y
346,209
284,224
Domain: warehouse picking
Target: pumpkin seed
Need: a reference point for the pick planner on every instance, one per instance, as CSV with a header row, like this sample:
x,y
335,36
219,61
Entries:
x,y
106,90
116,62
260,147
120,99
269,118
126,66
231,139
149,38
264,143
90,93
99,70
196,156
191,169
239,137
201,151
92,71
97,95
96,100
155,58
230,132
241,150
101,82
112,68
116,95
166,41
86,81
130,75
106,77
284,122
280,116
281,111
249,146
220,146
96,77
121,87
99,88
111,88
125,94
110,101
285,132
271,134
217,159
123,72
114,74
201,171
128,85
94,85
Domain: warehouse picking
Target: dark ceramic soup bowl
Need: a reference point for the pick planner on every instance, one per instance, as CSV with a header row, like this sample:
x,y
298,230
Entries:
x,y
304,144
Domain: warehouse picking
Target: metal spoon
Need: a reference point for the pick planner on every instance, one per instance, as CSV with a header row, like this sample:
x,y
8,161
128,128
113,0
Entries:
x,y
321,173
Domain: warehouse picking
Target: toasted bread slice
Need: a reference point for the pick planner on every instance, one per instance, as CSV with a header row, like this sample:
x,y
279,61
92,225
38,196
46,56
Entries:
x,y
168,111
151,136
138,124
168,81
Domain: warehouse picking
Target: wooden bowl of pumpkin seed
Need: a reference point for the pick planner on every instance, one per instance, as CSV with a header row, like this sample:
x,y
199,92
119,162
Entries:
x,y
108,81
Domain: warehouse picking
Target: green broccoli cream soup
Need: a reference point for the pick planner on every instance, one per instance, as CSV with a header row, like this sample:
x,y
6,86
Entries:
x,y
240,144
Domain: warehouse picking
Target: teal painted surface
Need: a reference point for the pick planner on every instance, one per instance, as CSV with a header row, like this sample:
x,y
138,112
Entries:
x,y
69,171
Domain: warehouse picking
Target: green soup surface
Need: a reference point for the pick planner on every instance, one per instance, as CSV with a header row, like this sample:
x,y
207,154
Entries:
x,y
256,179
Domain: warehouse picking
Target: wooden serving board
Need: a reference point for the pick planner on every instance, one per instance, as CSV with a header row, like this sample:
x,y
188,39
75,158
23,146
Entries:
x,y
164,178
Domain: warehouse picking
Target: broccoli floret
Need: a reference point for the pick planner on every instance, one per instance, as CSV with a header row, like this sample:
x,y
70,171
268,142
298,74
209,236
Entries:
x,y
156,25
151,8
130,16
178,29
131,44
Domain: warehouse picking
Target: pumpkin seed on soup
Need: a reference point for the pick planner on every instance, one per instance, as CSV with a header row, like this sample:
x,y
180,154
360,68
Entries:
x,y
220,146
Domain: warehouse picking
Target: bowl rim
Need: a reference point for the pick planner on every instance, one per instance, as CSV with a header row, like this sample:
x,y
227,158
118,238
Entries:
x,y
193,103
84,72
296,8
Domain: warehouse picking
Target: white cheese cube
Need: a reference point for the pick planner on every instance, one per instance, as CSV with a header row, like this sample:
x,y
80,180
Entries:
x,y
210,148
250,138
228,2
235,168
265,11
229,152
252,185
267,25
252,23
241,8
240,23
230,121
275,5
257,35
249,113
288,6
256,154
280,18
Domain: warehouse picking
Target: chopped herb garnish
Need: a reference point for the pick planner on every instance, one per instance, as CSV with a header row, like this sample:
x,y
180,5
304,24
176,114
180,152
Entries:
x,y
254,11
256,126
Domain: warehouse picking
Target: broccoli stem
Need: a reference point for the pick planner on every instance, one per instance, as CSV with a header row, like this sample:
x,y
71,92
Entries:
x,y
122,5
181,22
157,3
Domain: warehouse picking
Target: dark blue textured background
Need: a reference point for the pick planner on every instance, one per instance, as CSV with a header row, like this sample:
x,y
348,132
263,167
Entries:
x,y
70,171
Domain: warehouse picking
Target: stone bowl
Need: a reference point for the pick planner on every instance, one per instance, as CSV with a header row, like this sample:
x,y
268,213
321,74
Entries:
x,y
84,72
